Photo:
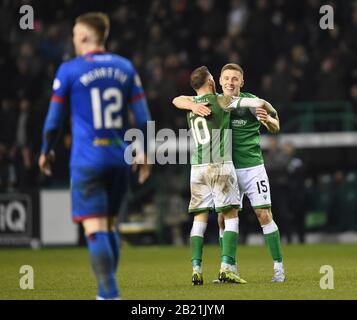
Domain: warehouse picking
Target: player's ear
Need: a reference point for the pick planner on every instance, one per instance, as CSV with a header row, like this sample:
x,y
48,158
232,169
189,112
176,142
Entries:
x,y
242,84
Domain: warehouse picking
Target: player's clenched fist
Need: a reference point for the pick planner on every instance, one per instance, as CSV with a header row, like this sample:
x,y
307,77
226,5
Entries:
x,y
262,115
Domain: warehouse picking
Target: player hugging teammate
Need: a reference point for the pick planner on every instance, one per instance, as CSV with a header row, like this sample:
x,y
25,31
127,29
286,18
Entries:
x,y
247,114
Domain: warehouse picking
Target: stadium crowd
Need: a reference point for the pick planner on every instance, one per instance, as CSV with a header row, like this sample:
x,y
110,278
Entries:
x,y
286,56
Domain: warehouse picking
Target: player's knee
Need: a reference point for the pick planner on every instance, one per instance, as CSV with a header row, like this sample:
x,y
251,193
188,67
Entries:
x,y
94,225
201,217
263,215
220,221
198,228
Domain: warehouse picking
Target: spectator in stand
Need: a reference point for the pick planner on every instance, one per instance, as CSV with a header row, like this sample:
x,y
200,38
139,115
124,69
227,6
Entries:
x,y
24,132
296,193
330,80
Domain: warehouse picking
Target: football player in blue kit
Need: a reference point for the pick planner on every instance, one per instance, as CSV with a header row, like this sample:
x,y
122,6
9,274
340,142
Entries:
x,y
100,88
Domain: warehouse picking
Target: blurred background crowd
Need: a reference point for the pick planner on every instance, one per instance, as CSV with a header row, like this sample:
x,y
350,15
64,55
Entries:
x,y
287,59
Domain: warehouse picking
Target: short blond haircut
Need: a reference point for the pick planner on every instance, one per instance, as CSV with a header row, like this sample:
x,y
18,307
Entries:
x,y
233,66
98,22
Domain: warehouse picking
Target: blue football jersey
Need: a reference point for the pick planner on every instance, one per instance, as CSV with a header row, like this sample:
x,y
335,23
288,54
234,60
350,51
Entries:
x,y
100,88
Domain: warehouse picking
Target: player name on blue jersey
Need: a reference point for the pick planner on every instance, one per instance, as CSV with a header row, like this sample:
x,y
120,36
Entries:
x,y
101,73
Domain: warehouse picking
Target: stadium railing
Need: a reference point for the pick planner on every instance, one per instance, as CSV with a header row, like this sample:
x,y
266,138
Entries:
x,y
320,116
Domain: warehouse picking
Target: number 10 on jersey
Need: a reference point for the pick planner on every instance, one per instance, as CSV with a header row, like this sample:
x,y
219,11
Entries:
x,y
200,135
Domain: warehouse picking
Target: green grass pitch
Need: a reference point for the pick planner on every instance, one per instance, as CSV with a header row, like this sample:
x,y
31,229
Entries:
x,y
164,273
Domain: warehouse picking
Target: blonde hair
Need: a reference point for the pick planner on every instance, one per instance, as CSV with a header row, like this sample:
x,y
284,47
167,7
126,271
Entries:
x,y
98,22
233,66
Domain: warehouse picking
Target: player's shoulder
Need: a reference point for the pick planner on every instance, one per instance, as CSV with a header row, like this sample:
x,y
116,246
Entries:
x,y
124,62
67,64
67,68
247,95
73,65
212,96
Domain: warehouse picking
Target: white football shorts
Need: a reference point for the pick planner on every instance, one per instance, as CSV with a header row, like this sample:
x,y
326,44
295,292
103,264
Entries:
x,y
213,186
254,183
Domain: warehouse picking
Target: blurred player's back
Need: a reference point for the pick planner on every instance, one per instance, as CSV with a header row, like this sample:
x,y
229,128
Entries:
x,y
100,86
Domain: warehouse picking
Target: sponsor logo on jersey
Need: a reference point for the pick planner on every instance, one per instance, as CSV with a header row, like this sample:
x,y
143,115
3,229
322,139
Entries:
x,y
239,123
102,57
105,142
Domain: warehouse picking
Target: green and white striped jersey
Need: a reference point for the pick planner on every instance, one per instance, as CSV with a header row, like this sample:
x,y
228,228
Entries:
x,y
246,136
211,134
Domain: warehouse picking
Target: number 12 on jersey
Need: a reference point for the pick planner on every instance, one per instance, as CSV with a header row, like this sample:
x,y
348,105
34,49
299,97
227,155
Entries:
x,y
110,122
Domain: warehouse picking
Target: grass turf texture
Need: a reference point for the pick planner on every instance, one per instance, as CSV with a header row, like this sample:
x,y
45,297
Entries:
x,y
164,272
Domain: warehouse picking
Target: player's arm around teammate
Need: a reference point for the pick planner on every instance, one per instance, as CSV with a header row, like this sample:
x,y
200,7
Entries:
x,y
187,103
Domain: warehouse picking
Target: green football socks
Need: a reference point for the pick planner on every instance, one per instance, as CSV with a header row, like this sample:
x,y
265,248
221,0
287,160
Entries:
x,y
196,250
229,247
273,242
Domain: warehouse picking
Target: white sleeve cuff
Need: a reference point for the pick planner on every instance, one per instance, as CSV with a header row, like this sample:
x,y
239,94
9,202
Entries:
x,y
249,103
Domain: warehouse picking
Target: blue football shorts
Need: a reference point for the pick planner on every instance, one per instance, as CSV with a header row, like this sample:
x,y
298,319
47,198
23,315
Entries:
x,y
98,192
